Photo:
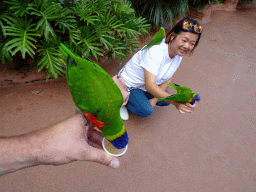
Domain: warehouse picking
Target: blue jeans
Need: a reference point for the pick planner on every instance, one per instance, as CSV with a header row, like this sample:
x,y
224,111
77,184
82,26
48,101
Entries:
x,y
139,103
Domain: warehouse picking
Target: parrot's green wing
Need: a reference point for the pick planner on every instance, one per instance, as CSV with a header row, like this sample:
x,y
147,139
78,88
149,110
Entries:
x,y
180,88
92,88
97,95
181,97
157,38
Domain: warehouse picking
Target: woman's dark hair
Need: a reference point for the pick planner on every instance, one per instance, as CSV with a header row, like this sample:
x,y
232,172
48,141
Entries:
x,y
176,29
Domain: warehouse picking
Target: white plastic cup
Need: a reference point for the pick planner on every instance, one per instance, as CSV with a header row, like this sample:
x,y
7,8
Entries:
x,y
110,149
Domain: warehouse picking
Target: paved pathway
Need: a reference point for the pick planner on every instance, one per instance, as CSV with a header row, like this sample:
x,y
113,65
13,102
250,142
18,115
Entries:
x,y
212,149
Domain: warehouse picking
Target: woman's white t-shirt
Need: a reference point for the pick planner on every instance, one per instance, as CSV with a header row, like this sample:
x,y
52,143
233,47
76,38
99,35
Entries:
x,y
156,60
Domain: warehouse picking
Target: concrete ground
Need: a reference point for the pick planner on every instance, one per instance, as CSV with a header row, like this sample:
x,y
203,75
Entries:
x,y
209,150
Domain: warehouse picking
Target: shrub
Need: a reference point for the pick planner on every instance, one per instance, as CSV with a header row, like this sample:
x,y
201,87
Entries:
x,y
158,12
88,27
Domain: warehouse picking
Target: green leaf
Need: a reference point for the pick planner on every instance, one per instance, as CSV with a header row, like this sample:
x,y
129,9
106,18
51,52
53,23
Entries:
x,y
89,27
158,12
4,53
21,31
18,6
67,20
85,13
50,55
47,11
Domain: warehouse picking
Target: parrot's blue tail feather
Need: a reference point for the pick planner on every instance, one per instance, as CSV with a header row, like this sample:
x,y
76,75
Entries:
x,y
121,142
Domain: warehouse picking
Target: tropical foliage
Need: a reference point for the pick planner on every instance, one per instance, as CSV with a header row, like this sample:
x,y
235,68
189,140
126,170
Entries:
x,y
200,3
158,12
90,28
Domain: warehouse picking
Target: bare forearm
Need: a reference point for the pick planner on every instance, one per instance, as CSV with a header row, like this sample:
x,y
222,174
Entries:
x,y
156,91
164,86
159,91
15,154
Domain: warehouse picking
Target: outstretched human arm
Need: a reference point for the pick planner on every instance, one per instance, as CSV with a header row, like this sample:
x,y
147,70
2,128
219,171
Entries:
x,y
152,87
160,92
62,143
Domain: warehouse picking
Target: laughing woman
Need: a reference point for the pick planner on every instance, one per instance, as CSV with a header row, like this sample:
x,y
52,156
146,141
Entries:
x,y
151,68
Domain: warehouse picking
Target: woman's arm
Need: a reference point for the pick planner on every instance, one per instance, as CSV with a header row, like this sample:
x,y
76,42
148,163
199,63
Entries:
x,y
164,86
160,92
152,87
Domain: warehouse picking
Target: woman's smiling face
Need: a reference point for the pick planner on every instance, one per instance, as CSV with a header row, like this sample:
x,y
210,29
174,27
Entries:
x,y
182,44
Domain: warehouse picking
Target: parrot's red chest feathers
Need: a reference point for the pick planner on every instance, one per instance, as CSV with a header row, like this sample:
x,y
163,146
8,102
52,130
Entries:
x,y
94,120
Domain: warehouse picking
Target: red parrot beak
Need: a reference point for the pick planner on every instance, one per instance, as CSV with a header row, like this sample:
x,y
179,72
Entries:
x,y
198,101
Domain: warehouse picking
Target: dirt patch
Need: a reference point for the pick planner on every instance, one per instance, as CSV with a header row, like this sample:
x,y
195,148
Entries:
x,y
10,77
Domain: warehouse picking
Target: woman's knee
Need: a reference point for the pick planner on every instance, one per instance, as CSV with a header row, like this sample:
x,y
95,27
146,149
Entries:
x,y
140,110
147,112
139,104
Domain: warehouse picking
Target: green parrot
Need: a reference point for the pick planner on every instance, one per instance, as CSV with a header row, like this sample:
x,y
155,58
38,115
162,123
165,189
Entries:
x,y
183,95
156,39
96,94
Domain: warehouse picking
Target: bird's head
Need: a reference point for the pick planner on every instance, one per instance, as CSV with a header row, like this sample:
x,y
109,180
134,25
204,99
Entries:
x,y
163,28
194,97
197,98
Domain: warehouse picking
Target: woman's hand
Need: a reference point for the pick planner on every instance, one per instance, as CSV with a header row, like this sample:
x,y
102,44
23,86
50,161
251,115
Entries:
x,y
184,108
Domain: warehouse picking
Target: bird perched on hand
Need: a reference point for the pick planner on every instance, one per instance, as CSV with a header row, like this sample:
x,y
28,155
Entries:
x,y
183,95
156,39
96,95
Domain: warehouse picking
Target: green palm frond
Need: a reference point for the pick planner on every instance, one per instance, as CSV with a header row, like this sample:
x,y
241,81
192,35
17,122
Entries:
x,y
22,36
119,51
46,11
66,21
4,19
70,3
159,12
200,3
86,41
84,11
50,55
125,8
19,6
89,27
5,16
4,53
98,6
